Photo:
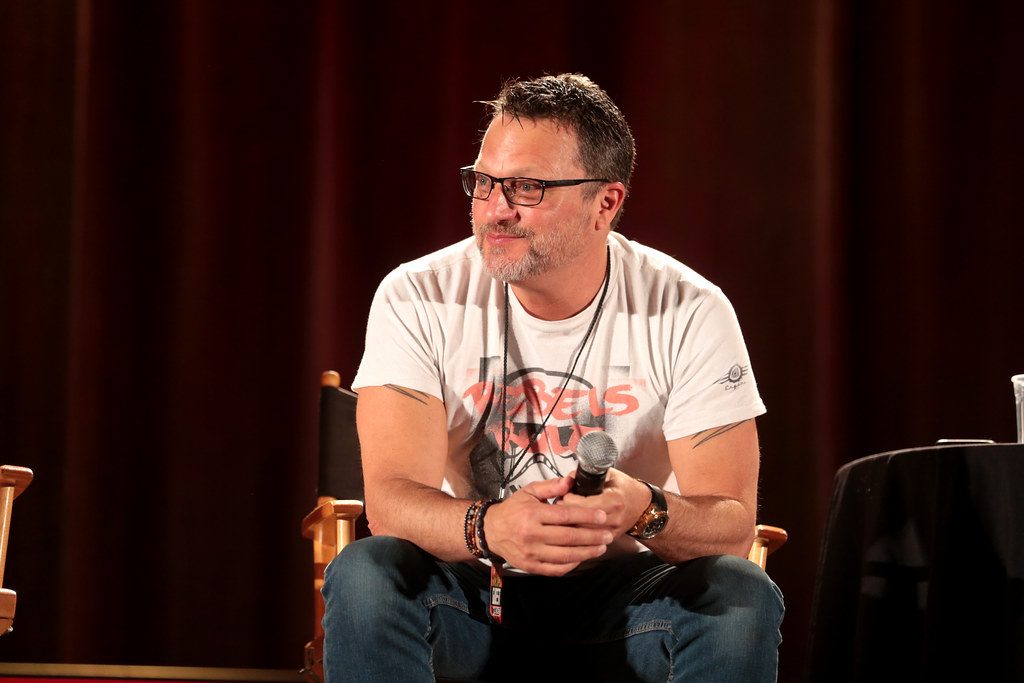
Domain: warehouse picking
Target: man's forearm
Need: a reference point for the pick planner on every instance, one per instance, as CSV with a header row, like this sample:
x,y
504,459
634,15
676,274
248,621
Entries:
x,y
703,525
715,512
421,514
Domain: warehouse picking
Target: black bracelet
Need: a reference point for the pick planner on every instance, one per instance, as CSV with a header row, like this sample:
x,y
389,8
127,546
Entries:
x,y
481,539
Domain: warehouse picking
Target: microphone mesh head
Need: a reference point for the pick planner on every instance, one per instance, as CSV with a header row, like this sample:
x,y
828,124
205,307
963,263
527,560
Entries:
x,y
596,452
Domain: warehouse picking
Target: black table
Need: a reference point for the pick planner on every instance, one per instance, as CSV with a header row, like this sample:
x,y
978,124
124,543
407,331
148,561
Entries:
x,y
921,575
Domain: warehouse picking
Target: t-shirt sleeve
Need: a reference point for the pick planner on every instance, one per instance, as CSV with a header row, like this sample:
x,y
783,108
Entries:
x,y
399,346
712,381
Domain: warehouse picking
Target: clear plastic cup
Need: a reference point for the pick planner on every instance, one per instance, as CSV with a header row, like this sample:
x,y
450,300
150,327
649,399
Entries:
x,y
1018,391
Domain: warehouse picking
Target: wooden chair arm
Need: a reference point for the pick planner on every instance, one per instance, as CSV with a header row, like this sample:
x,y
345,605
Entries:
x,y
13,481
18,477
330,511
767,539
8,602
331,526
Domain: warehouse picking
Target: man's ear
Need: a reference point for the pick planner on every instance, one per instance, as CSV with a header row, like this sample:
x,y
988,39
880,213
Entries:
x,y
610,200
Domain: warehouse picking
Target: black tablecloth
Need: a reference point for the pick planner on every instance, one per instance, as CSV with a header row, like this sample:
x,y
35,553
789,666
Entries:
x,y
921,574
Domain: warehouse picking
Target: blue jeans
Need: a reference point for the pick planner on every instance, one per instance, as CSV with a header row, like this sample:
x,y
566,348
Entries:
x,y
394,613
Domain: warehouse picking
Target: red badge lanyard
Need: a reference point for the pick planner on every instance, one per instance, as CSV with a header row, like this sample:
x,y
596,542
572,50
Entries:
x,y
494,609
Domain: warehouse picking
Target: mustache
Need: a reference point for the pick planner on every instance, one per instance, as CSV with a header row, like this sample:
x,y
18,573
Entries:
x,y
512,230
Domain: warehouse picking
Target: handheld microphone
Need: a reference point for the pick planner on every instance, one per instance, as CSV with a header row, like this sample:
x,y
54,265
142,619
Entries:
x,y
595,453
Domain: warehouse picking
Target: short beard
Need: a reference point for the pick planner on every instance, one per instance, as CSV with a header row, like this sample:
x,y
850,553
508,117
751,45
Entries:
x,y
543,254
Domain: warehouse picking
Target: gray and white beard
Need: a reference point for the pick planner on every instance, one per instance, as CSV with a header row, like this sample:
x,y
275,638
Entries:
x,y
545,253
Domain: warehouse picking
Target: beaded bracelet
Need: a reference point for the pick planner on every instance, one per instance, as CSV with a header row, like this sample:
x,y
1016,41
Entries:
x,y
469,530
481,539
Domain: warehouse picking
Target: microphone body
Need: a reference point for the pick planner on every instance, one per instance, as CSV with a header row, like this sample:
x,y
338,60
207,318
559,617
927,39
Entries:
x,y
595,453
587,483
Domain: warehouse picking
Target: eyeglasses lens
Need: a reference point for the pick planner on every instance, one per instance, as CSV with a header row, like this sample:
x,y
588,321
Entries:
x,y
475,184
522,191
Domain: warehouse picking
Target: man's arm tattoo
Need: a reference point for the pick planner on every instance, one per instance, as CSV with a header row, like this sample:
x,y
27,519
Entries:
x,y
703,437
407,392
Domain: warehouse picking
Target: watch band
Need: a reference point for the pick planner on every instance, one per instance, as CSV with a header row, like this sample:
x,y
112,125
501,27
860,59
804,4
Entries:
x,y
654,519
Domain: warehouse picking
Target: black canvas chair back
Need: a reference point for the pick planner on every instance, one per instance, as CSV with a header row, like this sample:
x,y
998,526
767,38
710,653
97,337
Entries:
x,y
340,466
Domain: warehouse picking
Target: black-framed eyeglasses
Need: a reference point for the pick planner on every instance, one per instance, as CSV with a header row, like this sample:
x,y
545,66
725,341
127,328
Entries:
x,y
521,191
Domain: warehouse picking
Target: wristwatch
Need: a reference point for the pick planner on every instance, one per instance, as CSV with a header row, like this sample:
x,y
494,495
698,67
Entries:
x,y
655,517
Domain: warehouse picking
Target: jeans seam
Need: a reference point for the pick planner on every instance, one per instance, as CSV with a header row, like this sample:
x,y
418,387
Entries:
x,y
435,600
646,627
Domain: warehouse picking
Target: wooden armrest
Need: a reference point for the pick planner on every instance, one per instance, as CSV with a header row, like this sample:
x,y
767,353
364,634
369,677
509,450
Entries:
x,y
13,480
773,537
767,539
8,601
330,511
331,526
18,477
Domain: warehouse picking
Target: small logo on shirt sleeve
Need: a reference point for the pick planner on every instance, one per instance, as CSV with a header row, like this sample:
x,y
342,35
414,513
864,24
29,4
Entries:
x,y
734,378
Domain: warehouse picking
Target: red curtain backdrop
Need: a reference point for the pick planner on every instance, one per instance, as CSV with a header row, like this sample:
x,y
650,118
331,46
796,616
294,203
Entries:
x,y
198,199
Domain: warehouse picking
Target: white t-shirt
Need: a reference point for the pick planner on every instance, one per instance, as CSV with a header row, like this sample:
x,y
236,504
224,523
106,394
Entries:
x,y
665,360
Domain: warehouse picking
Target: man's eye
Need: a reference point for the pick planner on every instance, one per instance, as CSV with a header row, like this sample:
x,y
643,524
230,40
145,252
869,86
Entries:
x,y
526,186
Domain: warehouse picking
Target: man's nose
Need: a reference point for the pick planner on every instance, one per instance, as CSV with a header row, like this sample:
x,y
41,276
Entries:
x,y
497,207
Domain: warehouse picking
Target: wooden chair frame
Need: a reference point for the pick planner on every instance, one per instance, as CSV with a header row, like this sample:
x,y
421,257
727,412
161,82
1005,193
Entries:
x,y
13,481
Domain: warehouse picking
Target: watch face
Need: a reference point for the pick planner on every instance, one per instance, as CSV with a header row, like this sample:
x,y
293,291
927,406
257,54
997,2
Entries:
x,y
655,526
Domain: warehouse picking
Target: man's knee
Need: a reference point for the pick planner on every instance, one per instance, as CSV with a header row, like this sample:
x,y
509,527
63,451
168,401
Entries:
x,y
370,574
733,592
731,628
739,575
746,605
735,582
370,560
